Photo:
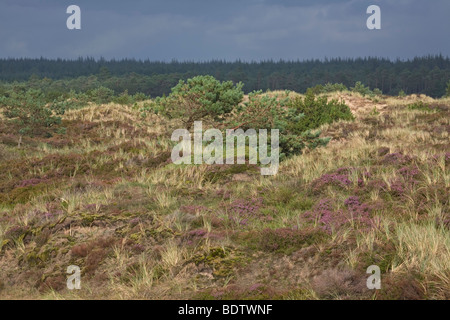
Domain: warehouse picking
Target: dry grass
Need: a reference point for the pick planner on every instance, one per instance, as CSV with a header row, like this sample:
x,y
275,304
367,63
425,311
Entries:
x,y
151,229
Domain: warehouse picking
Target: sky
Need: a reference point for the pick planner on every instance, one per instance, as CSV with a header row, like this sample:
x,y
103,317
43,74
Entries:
x,y
200,30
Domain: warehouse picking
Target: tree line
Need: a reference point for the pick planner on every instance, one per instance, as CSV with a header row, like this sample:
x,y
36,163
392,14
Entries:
x,y
423,75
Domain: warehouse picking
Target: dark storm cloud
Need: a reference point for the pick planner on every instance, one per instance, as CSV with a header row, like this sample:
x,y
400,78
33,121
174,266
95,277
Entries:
x,y
209,29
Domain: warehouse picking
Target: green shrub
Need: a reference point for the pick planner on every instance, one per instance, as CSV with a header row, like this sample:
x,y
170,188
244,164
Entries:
x,y
124,98
201,98
149,108
318,89
295,119
447,94
419,105
317,111
401,94
139,96
377,92
29,111
261,111
361,89
101,95
329,87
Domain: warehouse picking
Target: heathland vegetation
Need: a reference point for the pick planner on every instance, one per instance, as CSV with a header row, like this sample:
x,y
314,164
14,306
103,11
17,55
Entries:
x,y
86,179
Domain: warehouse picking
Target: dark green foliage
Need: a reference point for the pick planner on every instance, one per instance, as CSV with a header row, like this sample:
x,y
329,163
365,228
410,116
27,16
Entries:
x,y
261,111
447,94
360,88
101,95
317,111
420,105
126,99
295,119
200,98
423,75
377,92
29,111
329,87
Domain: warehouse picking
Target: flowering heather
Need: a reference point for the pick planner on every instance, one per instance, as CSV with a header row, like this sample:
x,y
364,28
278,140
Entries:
x,y
360,182
41,217
134,221
397,188
29,182
330,219
359,211
244,211
255,286
197,233
337,179
287,240
248,208
410,176
326,216
16,232
138,248
396,159
352,202
50,215
225,194
409,173
344,170
436,157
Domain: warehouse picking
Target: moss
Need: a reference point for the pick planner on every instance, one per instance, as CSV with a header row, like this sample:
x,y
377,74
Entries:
x,y
87,219
136,237
224,172
223,261
40,257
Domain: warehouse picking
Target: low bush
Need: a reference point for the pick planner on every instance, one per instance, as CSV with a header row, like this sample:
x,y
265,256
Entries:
x,y
361,89
29,111
201,98
317,111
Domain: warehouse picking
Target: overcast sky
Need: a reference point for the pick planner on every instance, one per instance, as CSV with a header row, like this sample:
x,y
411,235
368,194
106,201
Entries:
x,y
224,29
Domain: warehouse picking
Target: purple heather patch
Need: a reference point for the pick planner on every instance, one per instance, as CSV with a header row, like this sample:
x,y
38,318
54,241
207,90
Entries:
x,y
30,182
396,159
341,180
244,211
409,173
255,286
330,219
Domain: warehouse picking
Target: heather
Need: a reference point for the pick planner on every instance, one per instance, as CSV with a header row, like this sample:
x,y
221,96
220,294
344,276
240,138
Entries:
x,y
103,194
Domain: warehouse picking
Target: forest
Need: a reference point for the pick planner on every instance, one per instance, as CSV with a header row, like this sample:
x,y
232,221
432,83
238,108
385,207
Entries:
x,y
421,75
